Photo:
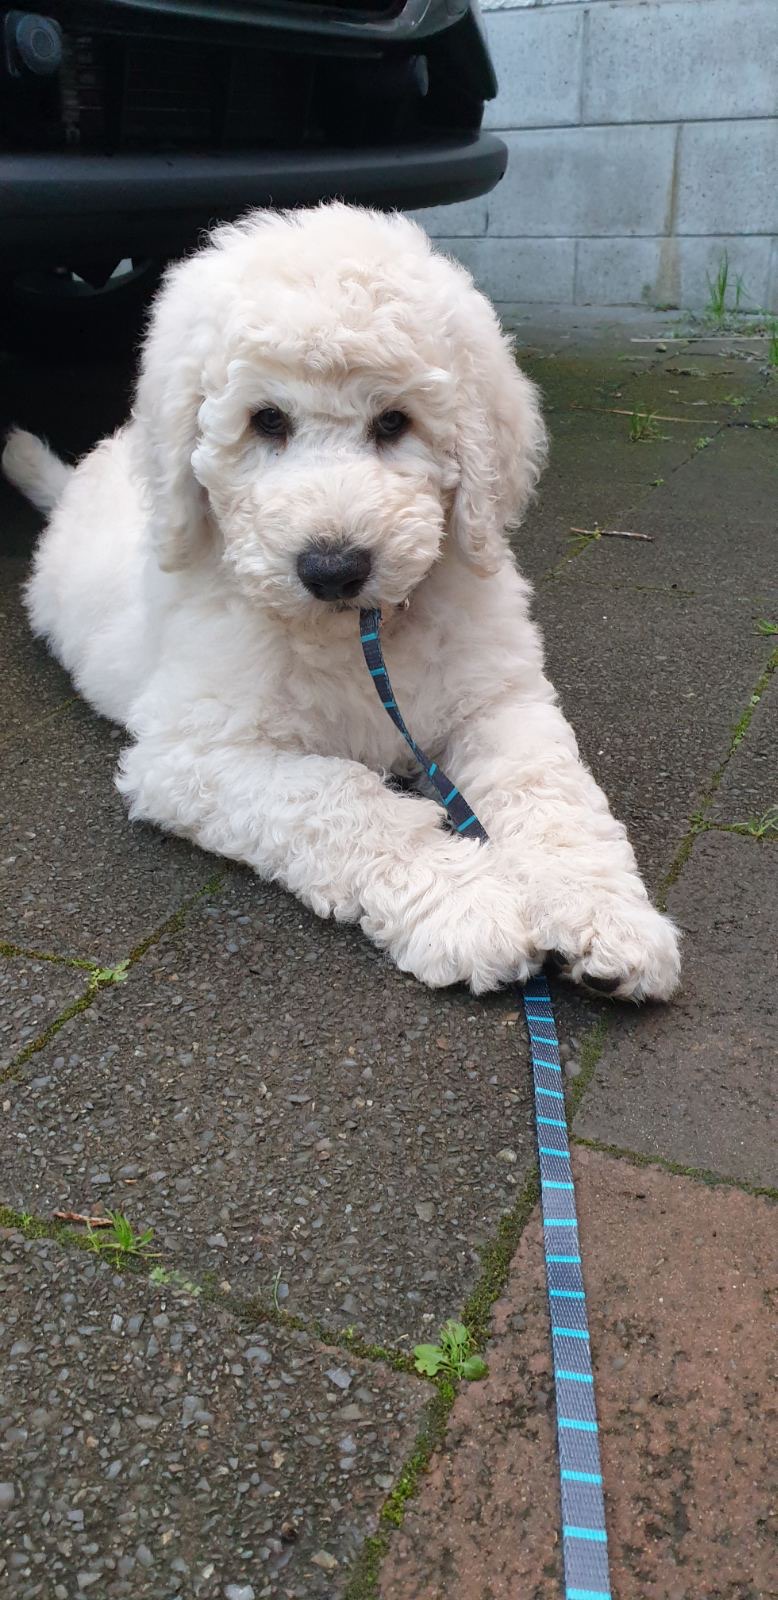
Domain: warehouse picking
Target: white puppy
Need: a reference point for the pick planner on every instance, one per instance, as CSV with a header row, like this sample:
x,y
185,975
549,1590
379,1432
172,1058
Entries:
x,y
329,416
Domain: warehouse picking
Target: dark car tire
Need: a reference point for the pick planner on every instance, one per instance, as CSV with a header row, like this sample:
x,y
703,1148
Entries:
x,y
53,312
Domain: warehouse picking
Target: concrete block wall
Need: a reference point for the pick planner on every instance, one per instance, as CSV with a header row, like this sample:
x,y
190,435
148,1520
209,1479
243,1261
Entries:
x,y
643,140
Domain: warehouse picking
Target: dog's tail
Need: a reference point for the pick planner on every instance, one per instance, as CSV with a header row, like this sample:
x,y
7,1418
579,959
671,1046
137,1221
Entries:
x,y
31,466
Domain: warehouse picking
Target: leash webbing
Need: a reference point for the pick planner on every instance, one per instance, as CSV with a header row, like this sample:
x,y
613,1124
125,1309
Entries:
x,y
584,1536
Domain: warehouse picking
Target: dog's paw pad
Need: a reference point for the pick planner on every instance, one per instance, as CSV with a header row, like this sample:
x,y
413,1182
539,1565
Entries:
x,y
557,963
600,985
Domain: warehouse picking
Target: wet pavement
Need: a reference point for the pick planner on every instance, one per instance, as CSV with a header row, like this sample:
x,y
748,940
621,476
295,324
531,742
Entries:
x,y
333,1160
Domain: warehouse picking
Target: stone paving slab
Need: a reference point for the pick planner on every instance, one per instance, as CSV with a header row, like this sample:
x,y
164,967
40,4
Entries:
x,y
713,525
34,685
32,995
749,786
153,1446
695,1082
267,1092
594,475
679,1278
76,878
734,347
569,378
640,677
702,386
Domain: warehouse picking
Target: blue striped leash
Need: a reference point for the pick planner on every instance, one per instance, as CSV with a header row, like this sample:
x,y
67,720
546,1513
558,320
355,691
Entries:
x,y
584,1536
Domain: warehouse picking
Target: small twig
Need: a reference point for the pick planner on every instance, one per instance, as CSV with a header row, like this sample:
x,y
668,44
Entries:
x,y
620,411
699,338
75,1216
612,533
621,533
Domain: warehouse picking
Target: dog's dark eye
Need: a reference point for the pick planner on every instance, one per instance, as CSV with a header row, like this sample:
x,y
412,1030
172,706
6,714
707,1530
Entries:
x,y
390,425
271,423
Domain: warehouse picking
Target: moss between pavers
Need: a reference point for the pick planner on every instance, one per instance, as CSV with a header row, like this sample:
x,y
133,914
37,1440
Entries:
x,y
101,977
698,822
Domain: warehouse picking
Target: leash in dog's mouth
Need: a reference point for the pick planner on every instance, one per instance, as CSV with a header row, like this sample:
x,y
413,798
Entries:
x,y
584,1536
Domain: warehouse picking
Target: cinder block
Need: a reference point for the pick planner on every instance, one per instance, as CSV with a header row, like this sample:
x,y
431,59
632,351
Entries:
x,y
728,178
680,60
617,272
466,219
513,270
748,262
538,57
772,287
564,182
671,271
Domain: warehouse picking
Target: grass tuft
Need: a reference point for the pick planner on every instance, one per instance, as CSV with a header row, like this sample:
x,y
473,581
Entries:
x,y
643,427
119,1243
722,287
759,827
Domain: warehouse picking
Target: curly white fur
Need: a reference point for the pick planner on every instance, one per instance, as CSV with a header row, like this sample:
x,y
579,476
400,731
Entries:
x,y
166,583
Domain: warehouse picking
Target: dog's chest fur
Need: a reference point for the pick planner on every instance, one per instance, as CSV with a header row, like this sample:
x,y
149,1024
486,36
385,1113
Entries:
x,y
320,698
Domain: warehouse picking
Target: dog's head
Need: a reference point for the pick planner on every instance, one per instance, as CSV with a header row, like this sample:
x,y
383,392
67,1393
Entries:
x,y
324,401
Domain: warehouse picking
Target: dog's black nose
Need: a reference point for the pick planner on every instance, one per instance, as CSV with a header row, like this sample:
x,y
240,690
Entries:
x,y
335,574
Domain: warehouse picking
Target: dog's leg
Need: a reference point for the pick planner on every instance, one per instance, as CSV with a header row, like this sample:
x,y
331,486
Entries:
x,y
349,847
571,862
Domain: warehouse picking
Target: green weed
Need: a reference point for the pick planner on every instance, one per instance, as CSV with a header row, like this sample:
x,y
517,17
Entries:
x,y
106,975
767,629
174,1280
717,290
760,827
720,288
120,1243
452,1357
643,427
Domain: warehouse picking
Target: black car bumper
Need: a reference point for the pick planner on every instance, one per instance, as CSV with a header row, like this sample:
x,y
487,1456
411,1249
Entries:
x,y
53,207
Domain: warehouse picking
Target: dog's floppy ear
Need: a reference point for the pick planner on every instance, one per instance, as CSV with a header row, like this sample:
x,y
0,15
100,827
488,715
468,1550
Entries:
x,y
167,400
501,440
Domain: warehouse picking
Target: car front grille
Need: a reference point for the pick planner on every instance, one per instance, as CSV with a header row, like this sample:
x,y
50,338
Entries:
x,y
124,90
134,94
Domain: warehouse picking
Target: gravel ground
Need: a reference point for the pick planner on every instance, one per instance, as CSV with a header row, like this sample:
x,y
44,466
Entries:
x,y
151,1445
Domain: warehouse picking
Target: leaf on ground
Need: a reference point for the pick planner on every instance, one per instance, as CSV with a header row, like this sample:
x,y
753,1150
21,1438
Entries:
x,y
117,974
474,1367
429,1358
455,1338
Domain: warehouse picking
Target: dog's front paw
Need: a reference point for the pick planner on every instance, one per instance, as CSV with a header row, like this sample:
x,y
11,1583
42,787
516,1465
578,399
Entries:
x,y
615,945
459,932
